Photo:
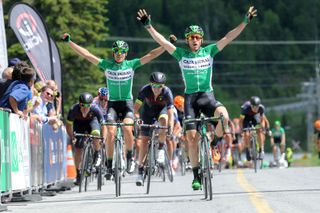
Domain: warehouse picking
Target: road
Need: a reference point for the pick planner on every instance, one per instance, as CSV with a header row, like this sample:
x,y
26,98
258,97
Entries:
x,y
270,190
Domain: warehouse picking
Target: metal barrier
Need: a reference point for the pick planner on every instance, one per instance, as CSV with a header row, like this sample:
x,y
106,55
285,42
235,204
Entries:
x,y
32,156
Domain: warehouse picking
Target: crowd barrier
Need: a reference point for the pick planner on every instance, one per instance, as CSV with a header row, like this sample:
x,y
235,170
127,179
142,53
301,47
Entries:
x,y
33,156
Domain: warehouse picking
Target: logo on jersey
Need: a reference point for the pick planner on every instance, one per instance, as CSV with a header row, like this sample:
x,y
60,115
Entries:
x,y
119,75
196,63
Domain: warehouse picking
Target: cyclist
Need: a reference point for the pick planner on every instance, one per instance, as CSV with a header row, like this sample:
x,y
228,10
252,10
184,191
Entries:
x,y
119,73
236,144
84,118
196,65
101,101
278,136
252,113
317,135
156,103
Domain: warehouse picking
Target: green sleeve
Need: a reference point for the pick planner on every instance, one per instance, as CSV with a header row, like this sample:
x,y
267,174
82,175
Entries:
x,y
213,49
178,53
103,64
135,63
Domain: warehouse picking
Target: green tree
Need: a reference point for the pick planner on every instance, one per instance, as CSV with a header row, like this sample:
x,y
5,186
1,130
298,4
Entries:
x,y
85,21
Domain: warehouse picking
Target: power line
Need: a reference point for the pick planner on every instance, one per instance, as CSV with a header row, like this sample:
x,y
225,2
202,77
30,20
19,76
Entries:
x,y
237,42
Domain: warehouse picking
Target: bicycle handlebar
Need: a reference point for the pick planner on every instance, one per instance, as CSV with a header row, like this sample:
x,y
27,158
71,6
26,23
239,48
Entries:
x,y
88,136
251,129
117,124
153,126
203,119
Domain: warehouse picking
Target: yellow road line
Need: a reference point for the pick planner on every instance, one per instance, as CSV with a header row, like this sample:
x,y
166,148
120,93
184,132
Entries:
x,y
255,197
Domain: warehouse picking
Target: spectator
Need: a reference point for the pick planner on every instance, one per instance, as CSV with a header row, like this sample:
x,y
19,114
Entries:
x,y
13,61
14,76
7,73
19,92
54,106
40,113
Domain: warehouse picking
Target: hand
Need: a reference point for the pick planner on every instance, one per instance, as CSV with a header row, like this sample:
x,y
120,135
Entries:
x,y
66,37
169,133
250,14
144,18
173,39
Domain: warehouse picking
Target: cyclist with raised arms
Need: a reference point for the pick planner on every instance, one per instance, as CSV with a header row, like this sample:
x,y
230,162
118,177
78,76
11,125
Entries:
x,y
84,118
252,113
119,73
156,103
196,64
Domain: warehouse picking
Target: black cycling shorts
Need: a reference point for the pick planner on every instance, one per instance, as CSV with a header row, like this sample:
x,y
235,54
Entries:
x,y
197,103
251,120
118,110
85,128
149,118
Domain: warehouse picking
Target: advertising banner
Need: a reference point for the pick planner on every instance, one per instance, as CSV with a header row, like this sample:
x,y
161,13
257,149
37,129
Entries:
x,y
20,153
3,43
31,32
36,151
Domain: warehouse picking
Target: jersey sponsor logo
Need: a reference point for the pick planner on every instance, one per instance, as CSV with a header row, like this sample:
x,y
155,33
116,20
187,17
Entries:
x,y
196,63
119,75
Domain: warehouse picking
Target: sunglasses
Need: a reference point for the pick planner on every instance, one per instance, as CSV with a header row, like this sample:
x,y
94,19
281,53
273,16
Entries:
x,y
49,94
119,51
156,85
85,105
103,98
192,37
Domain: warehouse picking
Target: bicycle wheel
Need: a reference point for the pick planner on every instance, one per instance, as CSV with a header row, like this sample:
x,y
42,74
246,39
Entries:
x,y
206,169
222,144
100,170
167,166
117,168
84,166
88,175
254,152
182,161
149,167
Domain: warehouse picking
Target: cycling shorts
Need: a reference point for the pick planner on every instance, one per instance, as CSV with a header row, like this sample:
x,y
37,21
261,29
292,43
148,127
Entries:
x,y
92,127
252,120
149,118
118,110
197,103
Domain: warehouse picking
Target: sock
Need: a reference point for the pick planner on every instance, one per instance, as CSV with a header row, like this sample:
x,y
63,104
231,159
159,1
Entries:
x,y
129,154
109,163
195,171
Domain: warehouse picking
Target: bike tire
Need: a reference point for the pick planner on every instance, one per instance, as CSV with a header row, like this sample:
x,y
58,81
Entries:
x,y
149,168
117,168
99,172
206,171
254,153
167,166
83,167
182,163
89,167
222,154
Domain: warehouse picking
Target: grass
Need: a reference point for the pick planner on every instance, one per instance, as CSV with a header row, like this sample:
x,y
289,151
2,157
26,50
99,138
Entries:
x,y
307,161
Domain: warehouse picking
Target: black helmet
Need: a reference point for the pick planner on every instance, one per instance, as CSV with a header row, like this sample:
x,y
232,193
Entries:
x,y
193,29
158,77
255,101
120,45
85,98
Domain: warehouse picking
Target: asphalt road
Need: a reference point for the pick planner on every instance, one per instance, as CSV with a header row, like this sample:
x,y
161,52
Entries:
x,y
237,190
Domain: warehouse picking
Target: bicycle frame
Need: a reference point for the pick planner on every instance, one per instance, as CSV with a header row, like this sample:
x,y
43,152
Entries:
x,y
205,159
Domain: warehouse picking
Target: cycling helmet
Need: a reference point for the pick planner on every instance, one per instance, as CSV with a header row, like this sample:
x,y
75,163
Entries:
x,y
255,101
103,91
85,98
158,78
193,29
178,101
277,123
120,45
317,124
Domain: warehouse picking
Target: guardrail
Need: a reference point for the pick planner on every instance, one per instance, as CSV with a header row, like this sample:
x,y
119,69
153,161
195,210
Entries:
x,y
33,156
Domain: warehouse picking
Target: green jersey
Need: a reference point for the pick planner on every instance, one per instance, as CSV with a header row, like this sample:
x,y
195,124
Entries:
x,y
119,77
196,68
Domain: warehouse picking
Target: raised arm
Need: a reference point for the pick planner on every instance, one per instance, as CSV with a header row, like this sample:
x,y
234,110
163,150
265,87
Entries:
x,y
152,55
80,50
230,36
145,19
